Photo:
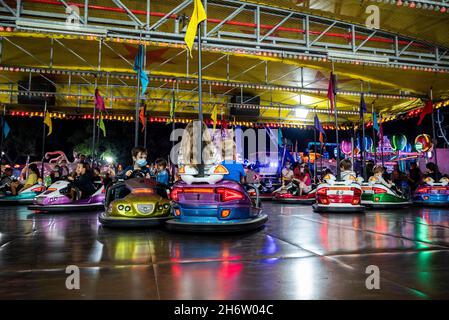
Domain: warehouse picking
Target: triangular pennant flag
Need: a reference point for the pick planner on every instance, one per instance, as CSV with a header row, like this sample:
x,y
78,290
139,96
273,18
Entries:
x,y
99,101
138,67
318,125
362,106
142,118
375,122
428,109
172,108
322,139
214,117
198,16
6,129
101,125
47,121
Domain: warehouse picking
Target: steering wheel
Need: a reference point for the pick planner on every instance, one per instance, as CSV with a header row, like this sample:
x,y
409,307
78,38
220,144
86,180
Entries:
x,y
137,174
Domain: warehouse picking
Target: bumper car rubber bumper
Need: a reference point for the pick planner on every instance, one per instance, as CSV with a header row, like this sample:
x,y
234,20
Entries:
x,y
67,207
228,227
108,221
15,202
294,200
338,209
387,205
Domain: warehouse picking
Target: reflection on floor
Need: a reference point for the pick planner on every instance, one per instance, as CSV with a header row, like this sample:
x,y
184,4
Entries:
x,y
299,255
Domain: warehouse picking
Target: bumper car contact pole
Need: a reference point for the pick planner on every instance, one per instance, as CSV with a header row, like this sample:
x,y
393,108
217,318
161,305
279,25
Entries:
x,y
434,135
43,139
200,106
334,93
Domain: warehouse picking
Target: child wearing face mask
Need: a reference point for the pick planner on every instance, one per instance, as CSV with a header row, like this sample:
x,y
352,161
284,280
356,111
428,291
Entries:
x,y
139,155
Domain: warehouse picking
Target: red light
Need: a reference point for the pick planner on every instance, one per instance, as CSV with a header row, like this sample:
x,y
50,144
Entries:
x,y
423,190
322,191
229,194
38,189
174,195
177,212
357,192
378,190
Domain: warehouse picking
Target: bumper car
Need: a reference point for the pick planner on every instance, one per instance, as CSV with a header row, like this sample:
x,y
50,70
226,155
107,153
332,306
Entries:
x,y
379,196
290,195
54,199
435,194
136,202
338,196
24,197
265,188
211,204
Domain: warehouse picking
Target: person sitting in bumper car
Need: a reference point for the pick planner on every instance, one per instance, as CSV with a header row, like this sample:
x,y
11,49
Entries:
x,y
236,172
34,177
139,167
82,182
162,175
303,180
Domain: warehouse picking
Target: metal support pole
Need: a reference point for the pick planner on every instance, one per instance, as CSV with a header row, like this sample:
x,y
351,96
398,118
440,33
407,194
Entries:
x,y
434,135
200,104
336,127
93,128
374,134
314,161
362,143
136,122
43,139
3,125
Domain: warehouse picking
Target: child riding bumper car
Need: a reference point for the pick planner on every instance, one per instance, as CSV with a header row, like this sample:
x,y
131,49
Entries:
x,y
57,199
433,193
13,192
291,194
339,196
136,202
24,197
378,193
210,204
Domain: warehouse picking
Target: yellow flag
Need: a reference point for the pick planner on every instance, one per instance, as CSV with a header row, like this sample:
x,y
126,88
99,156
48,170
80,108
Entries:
x,y
198,16
213,116
47,121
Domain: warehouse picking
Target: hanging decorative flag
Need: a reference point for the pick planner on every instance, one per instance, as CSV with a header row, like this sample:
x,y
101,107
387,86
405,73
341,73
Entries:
x,y
172,108
319,127
101,125
331,92
138,67
362,106
375,122
142,118
99,102
214,117
47,121
428,109
198,16
6,128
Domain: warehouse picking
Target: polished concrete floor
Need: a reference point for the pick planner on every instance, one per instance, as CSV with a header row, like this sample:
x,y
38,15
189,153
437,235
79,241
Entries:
x,y
298,255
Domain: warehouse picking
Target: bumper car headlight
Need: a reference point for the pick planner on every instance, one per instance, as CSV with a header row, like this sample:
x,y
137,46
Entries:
x,y
166,206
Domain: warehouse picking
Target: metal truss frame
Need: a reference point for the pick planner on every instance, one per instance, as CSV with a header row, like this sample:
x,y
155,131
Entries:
x,y
312,35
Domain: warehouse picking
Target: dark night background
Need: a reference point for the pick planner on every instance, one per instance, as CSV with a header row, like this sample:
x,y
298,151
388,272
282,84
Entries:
x,y
25,137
